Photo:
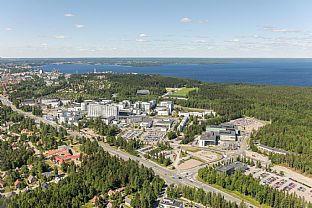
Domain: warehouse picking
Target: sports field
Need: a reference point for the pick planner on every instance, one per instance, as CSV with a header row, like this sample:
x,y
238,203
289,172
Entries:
x,y
183,92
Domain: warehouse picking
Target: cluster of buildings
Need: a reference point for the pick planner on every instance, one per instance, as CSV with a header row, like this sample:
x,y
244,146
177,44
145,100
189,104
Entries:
x,y
68,112
219,134
62,155
128,112
6,77
50,78
164,108
186,116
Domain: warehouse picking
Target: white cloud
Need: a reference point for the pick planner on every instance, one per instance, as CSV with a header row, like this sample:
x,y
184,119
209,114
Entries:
x,y
200,41
59,37
79,26
87,49
203,21
140,40
279,30
235,40
8,29
44,46
185,20
69,15
142,35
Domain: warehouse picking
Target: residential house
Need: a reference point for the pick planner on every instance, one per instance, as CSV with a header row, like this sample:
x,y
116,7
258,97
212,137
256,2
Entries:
x,y
2,183
31,179
17,184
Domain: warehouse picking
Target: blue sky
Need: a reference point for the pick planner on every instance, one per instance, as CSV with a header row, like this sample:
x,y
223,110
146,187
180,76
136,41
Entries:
x,y
162,28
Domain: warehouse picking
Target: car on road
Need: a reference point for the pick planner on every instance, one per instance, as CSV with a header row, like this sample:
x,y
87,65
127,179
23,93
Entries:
x,y
302,189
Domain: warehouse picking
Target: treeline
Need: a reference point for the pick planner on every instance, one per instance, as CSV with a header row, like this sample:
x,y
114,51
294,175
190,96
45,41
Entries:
x,y
35,110
208,199
99,173
249,186
95,86
130,145
45,136
31,89
13,155
302,162
100,127
125,85
196,128
7,115
158,156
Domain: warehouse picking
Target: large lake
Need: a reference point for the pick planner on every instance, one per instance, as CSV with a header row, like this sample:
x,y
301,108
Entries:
x,y
297,72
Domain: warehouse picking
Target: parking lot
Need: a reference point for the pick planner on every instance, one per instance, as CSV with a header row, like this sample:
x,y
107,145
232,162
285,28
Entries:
x,y
153,135
281,182
132,134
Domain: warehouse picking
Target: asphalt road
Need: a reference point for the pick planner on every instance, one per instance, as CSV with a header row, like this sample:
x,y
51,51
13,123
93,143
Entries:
x,y
170,176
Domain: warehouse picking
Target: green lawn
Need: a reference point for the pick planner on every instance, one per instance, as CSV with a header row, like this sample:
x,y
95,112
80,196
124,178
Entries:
x,y
191,149
88,205
183,92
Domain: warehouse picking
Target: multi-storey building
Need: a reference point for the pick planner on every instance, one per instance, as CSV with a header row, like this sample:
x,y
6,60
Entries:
x,y
104,111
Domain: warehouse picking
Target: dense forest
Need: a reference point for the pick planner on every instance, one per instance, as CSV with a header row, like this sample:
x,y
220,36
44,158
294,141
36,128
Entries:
x,y
249,186
288,108
34,88
208,199
13,155
8,115
98,174
35,110
94,86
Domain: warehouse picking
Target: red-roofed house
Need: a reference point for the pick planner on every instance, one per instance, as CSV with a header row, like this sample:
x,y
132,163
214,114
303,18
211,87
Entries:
x,y
57,151
60,159
94,200
62,154
31,179
17,184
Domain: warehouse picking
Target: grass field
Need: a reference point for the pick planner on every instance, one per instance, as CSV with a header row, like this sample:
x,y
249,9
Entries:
x,y
191,149
183,92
